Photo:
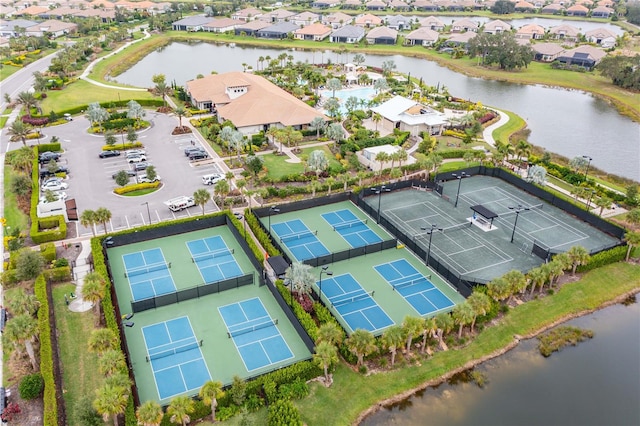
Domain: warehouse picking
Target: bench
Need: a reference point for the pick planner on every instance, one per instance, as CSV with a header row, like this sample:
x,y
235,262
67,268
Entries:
x,y
482,221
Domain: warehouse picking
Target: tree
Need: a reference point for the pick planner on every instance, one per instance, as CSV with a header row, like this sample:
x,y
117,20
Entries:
x,y
331,333
502,49
578,256
361,343
538,175
556,270
210,392
624,71
503,7
22,302
88,217
428,329
22,330
382,157
480,303
94,289
201,197
110,402
111,362
351,104
376,118
254,163
392,339
179,409
334,84
149,414
358,59
132,136
578,163
28,101
19,130
151,173
96,114
381,85
221,189
411,327
603,203
22,159
161,89
516,282
103,215
317,162
135,111
180,112
301,278
332,106
238,390
318,124
335,132
537,277
110,138
444,324
633,240
29,264
102,340
388,66
326,355
498,289
462,315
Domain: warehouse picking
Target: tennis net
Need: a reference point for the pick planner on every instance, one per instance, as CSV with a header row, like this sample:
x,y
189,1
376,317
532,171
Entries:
x,y
408,283
513,211
351,224
456,227
253,328
212,255
291,237
347,300
146,269
173,351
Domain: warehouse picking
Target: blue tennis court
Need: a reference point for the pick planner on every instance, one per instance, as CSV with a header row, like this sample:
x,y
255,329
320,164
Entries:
x,y
214,259
414,287
148,274
254,333
300,241
351,228
175,357
354,304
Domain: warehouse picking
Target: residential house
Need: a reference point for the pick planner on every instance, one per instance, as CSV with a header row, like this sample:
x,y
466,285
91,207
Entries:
x,y
324,4
525,6
4,42
602,12
351,4
425,6
246,15
52,27
577,10
552,9
565,32
399,6
59,13
496,26
464,25
313,32
382,35
279,31
191,23
278,15
221,25
601,36
367,157
347,34
583,56
530,32
432,23
460,39
367,20
422,37
375,5
15,27
105,16
408,115
251,102
606,3
305,18
32,11
337,20
547,52
251,28
398,22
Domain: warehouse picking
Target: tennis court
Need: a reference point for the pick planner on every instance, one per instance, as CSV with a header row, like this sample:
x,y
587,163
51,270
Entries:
x,y
355,305
416,288
255,334
148,274
299,239
354,230
175,356
214,259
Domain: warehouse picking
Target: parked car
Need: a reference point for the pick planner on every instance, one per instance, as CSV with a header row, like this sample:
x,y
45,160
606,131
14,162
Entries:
x,y
140,166
44,172
47,156
68,117
52,179
110,153
60,195
54,186
136,159
198,156
142,178
133,152
130,173
212,178
192,149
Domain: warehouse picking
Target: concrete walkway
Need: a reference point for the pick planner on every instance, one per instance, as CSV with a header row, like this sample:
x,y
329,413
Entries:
x,y
487,133
81,268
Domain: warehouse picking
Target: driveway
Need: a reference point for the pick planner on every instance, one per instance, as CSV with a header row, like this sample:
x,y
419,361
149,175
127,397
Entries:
x,y
91,183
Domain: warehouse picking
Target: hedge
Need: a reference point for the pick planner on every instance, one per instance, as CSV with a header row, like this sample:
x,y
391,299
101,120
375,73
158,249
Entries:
x,y
38,236
117,146
46,354
260,234
48,252
58,275
303,316
607,257
79,109
136,187
53,147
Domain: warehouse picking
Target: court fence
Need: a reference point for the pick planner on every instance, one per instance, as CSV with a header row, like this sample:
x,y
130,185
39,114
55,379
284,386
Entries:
x,y
351,253
191,293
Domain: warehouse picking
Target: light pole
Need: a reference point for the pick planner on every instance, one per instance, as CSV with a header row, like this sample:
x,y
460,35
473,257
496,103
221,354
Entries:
x,y
518,209
459,177
323,271
148,212
586,172
430,232
378,192
272,209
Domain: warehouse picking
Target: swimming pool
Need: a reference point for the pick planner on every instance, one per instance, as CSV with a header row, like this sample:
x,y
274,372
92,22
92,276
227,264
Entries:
x,y
366,92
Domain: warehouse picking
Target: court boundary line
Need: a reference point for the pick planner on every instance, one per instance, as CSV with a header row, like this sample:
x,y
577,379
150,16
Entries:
x,y
152,286
226,247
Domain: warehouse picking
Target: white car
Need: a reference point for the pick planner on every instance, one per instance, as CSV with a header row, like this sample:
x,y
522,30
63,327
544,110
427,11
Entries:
x,y
52,179
54,186
59,196
142,178
212,178
135,152
136,159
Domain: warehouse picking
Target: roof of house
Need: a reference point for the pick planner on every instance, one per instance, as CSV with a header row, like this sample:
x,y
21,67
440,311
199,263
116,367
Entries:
x,y
253,25
495,24
280,27
314,29
553,7
350,31
578,8
397,19
388,149
280,14
222,23
383,32
264,102
249,12
524,5
547,48
565,29
600,33
586,51
193,21
409,111
430,21
368,18
462,37
423,34
33,10
51,26
338,17
62,11
378,3
20,23
602,9
398,3
464,22
531,29
306,16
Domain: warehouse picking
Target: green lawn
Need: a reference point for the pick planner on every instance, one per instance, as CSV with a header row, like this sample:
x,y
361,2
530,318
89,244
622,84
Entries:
x,y
79,366
14,216
277,166
514,124
8,70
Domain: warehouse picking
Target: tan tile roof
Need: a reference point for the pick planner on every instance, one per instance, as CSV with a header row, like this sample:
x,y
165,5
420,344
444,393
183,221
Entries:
x,y
33,10
222,23
314,29
264,102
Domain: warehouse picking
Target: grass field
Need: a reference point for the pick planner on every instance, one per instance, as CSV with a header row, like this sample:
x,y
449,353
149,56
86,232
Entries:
x,y
14,216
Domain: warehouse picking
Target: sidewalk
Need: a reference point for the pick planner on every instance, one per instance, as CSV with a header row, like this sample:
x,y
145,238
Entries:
x,y
81,267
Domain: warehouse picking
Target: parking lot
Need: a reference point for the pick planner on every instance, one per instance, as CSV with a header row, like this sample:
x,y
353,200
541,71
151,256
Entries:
x,y
91,180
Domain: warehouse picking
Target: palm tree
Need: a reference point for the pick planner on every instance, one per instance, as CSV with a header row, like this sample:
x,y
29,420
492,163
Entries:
x,y
102,340
210,392
22,302
444,322
392,339
161,89
331,333
462,315
180,112
21,330
523,149
201,197
317,124
428,329
579,256
149,414
326,355
22,159
103,215
179,410
88,219
603,203
633,240
111,362
411,327
334,84
516,282
480,303
93,290
556,270
111,401
221,189
28,101
361,343
19,130
381,158
537,277
498,289
330,181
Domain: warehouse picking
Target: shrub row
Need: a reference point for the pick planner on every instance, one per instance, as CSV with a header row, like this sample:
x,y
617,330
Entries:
x,y
58,275
260,234
48,252
324,316
113,104
46,354
455,153
53,147
127,145
607,257
304,317
257,251
136,187
303,370
38,236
